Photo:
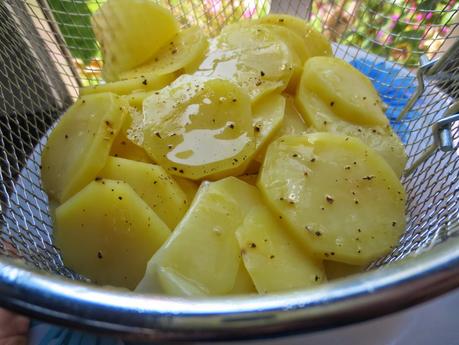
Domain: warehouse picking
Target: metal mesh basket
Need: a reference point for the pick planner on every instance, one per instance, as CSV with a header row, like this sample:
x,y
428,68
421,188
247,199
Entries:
x,y
410,51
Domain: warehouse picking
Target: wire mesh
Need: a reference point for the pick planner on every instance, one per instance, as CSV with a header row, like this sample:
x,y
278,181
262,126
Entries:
x,y
49,50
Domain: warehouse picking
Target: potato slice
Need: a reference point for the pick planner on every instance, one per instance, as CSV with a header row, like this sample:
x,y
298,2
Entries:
x,y
250,55
249,178
107,233
338,270
349,92
202,256
153,185
315,43
337,196
189,187
267,116
125,148
292,123
146,82
78,146
184,52
243,283
272,258
199,129
322,117
131,32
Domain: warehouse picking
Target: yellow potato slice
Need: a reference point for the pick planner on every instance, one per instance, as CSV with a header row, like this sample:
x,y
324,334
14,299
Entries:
x,y
153,185
202,256
243,283
267,116
315,43
292,124
337,196
125,148
338,270
272,258
189,187
146,82
249,178
107,233
78,146
251,56
382,139
184,53
199,129
345,89
131,32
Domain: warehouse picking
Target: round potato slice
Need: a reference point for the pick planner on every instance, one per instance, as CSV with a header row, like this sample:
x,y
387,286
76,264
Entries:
x,y
349,92
130,32
250,55
198,128
184,52
316,44
324,118
337,196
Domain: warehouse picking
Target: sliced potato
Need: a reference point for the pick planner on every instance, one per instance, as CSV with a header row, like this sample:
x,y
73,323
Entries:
x,y
267,116
131,32
78,146
337,270
249,178
271,256
315,43
152,184
125,148
347,91
199,129
107,233
184,53
189,187
337,196
292,123
250,55
382,139
202,256
243,283
146,82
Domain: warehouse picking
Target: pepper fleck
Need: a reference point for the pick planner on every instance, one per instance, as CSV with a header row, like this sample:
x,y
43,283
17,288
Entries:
x,y
252,245
99,255
145,82
329,199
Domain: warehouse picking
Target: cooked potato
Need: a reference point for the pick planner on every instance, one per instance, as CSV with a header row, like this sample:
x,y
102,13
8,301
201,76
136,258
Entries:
x,y
337,270
243,283
146,82
249,178
125,148
152,184
183,53
337,196
315,43
267,116
131,32
251,56
78,146
322,117
202,256
292,123
189,187
107,233
199,129
347,91
272,258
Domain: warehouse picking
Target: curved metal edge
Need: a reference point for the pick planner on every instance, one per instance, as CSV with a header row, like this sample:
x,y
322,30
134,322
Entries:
x,y
158,318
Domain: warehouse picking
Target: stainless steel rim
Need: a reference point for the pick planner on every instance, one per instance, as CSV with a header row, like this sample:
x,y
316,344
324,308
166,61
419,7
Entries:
x,y
363,297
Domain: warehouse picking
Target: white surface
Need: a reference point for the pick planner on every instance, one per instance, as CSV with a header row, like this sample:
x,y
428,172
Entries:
x,y
432,323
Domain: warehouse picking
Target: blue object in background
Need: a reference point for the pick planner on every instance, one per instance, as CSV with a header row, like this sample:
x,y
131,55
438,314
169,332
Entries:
x,y
395,86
